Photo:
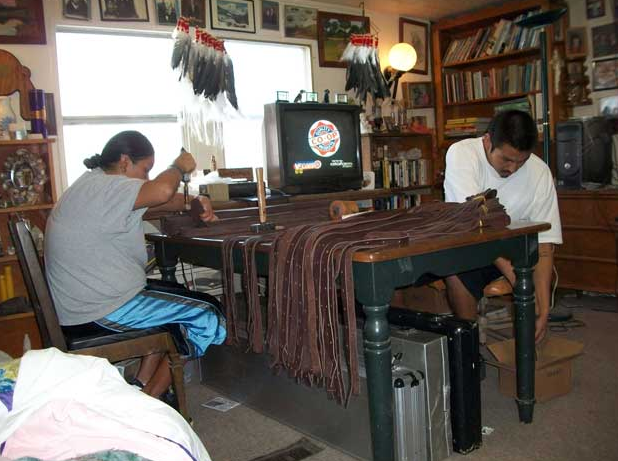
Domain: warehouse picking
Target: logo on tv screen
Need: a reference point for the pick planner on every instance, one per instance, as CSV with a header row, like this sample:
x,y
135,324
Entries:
x,y
324,138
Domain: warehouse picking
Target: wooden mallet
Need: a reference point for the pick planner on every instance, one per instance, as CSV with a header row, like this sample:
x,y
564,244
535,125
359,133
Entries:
x,y
263,225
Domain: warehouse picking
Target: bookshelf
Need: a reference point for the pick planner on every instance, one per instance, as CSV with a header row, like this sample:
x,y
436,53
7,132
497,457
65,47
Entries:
x,y
480,60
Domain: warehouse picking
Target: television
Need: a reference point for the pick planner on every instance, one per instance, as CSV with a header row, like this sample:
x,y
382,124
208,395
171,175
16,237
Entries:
x,y
312,148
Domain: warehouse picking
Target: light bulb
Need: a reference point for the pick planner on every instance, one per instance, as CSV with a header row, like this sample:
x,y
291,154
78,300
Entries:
x,y
402,56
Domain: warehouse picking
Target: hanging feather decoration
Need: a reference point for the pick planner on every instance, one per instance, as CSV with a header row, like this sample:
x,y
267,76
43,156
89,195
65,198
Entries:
x,y
363,74
206,66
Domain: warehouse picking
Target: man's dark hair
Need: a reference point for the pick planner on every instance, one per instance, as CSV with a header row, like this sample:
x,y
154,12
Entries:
x,y
515,128
132,143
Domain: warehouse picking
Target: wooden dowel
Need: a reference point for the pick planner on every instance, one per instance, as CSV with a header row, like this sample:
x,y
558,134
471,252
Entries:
x,y
261,194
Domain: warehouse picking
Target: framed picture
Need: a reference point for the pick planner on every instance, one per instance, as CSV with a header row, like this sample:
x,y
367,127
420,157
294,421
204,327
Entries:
x,y
235,15
124,10
576,42
22,22
575,68
334,31
605,74
595,8
300,22
270,15
77,9
416,33
194,11
609,106
616,10
605,40
168,12
420,94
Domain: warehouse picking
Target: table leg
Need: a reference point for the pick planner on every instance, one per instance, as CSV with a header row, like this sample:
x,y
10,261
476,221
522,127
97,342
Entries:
x,y
377,348
166,261
523,294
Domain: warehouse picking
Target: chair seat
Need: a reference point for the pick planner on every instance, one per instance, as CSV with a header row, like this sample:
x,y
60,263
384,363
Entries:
x,y
499,287
93,335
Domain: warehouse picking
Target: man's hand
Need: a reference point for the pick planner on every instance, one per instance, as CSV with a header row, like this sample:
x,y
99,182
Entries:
x,y
208,215
185,162
540,328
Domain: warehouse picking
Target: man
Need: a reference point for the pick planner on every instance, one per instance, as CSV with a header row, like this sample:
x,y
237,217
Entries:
x,y
502,159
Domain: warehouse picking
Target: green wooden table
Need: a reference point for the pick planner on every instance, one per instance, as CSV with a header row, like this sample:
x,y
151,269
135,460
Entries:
x,y
378,273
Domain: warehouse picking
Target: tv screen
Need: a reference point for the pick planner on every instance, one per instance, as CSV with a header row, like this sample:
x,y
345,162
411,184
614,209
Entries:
x,y
313,148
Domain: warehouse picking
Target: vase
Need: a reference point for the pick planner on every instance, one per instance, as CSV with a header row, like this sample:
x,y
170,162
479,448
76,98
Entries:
x,y
7,116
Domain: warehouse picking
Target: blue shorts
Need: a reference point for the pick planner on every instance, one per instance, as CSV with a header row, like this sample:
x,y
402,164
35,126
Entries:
x,y
200,322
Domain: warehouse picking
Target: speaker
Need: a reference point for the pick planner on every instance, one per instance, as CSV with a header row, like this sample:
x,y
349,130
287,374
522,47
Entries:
x,y
584,152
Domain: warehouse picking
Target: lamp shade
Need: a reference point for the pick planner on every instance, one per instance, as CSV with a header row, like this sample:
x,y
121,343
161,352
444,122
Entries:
x,y
402,57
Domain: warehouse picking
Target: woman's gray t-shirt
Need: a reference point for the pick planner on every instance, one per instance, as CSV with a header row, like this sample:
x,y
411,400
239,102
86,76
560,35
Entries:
x,y
95,253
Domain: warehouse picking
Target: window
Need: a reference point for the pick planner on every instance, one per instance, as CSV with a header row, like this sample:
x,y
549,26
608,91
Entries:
x,y
260,69
115,82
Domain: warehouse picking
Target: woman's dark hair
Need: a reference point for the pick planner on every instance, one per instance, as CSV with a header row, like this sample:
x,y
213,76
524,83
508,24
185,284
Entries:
x,y
131,143
515,128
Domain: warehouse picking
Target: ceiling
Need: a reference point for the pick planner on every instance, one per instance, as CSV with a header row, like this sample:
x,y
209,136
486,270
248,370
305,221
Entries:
x,y
422,9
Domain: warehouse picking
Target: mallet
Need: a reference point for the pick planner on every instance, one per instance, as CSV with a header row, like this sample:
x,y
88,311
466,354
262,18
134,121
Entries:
x,y
263,225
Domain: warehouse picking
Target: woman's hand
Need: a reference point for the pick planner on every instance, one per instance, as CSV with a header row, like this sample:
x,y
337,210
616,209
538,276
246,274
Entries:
x,y
209,214
185,162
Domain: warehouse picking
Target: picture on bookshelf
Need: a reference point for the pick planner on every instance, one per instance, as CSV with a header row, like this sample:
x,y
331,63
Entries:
x,y
609,106
416,33
595,8
605,74
605,40
419,94
418,124
575,68
576,42
560,27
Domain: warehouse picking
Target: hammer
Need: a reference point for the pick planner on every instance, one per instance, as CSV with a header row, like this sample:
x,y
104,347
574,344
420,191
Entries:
x,y
263,225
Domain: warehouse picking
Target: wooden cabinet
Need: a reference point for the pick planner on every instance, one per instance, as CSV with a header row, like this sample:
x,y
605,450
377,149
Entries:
x,y
484,80
587,258
404,163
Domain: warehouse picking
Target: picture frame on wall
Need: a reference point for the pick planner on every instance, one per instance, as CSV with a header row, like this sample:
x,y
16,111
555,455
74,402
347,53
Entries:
x,y
334,30
77,9
194,11
605,40
419,95
416,33
300,22
124,10
605,74
167,11
576,43
270,15
234,15
22,22
609,106
595,9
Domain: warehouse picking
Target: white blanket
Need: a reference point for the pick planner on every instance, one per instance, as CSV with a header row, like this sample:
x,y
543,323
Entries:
x,y
48,375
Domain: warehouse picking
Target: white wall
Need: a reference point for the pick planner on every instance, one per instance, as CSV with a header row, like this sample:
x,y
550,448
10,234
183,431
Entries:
x,y
577,18
41,59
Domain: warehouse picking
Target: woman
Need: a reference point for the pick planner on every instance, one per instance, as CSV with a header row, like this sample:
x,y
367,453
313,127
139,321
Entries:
x,y
95,253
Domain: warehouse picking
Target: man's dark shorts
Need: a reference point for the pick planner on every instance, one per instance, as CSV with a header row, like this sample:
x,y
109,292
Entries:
x,y
476,280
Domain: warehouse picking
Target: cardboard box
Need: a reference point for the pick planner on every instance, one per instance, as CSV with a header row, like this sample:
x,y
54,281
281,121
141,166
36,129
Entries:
x,y
552,371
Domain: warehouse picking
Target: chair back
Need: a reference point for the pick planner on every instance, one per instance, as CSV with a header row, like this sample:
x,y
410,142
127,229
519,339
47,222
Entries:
x,y
36,285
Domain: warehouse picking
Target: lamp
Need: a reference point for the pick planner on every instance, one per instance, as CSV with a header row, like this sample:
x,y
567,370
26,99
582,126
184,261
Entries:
x,y
402,58
540,20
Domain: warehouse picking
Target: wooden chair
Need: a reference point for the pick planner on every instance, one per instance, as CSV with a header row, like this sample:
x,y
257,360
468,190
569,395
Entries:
x,y
102,343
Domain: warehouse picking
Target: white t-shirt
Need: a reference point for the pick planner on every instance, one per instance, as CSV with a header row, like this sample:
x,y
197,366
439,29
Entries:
x,y
528,194
95,252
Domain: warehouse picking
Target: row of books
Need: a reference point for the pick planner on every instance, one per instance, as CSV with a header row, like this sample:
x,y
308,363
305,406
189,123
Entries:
x,y
464,127
501,37
401,173
396,202
491,83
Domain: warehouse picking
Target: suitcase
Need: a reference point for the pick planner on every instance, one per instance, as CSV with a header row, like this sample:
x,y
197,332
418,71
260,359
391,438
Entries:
x,y
464,370
410,417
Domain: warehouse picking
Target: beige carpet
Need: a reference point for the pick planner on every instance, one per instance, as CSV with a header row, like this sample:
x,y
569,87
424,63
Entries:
x,y
582,426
